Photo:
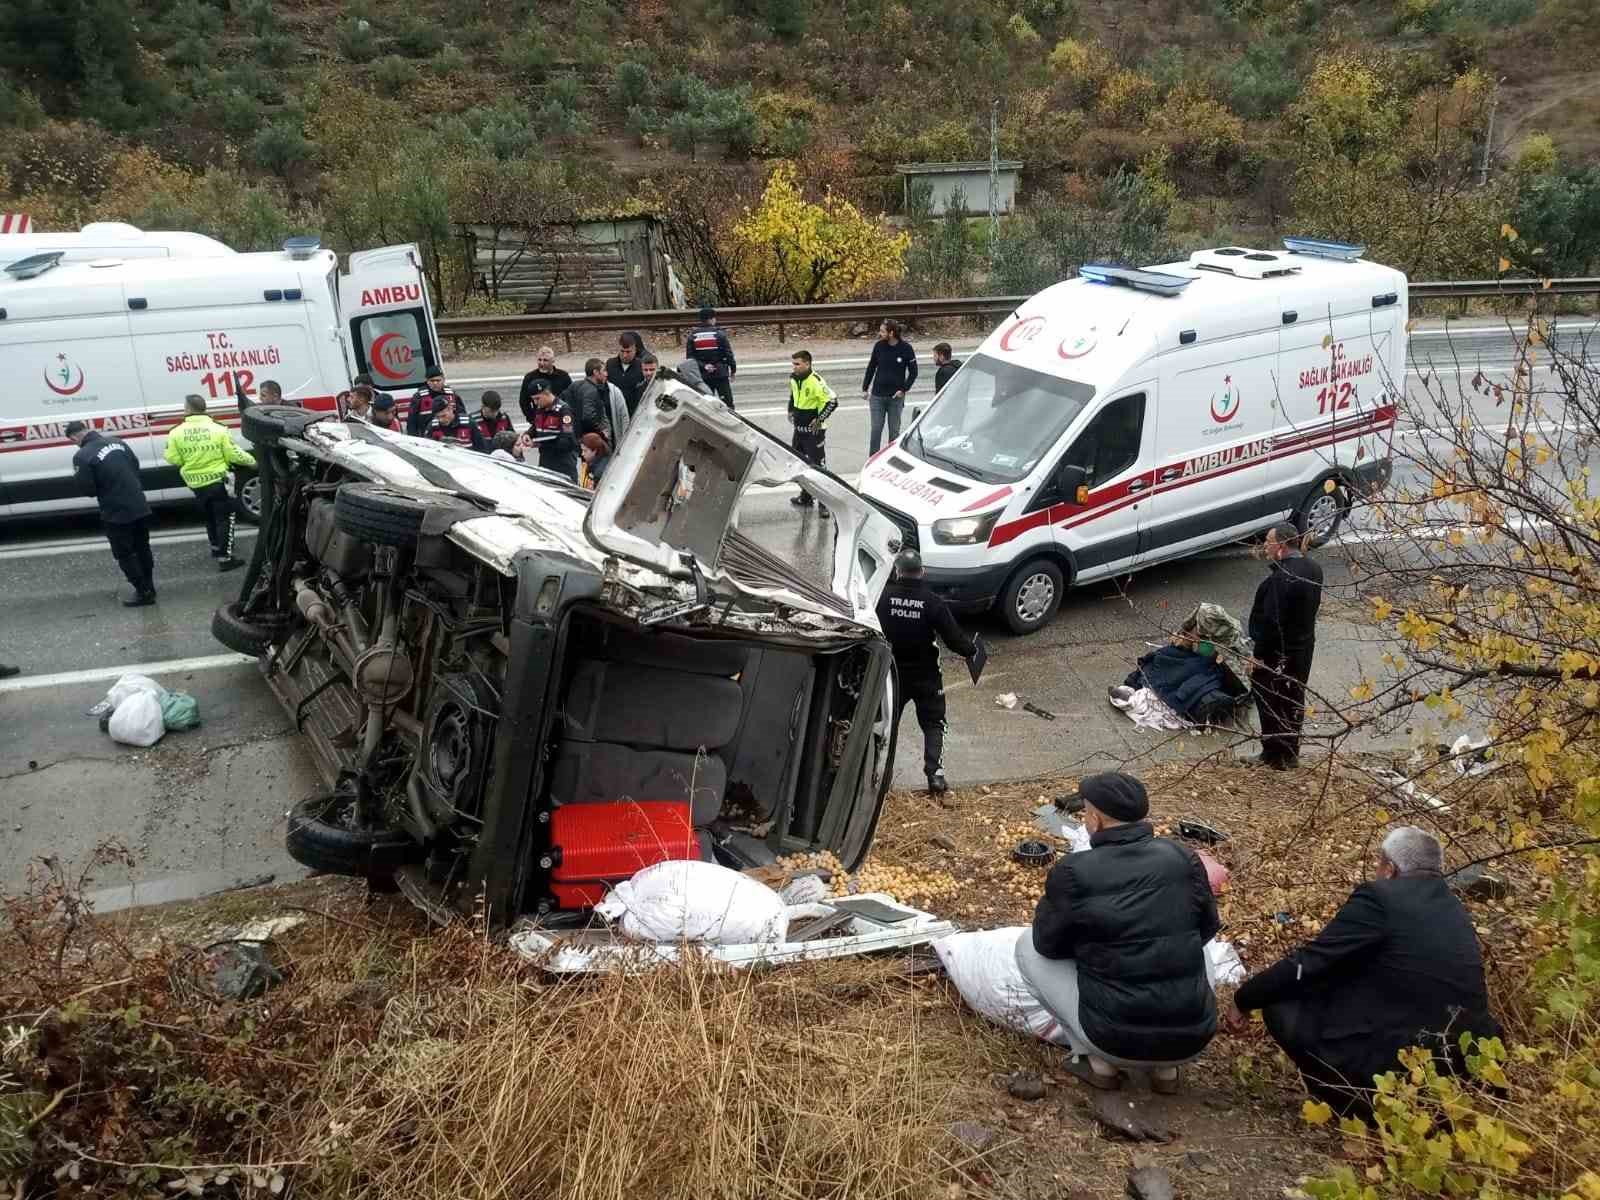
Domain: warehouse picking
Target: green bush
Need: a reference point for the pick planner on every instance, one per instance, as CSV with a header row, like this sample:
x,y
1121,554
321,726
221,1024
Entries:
x,y
788,19
275,49
1263,81
19,108
418,37
191,50
259,16
392,75
281,147
526,55
631,86
644,122
355,40
451,60
238,113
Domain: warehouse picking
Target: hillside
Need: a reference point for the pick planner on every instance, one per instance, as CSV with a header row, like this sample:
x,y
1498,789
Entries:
x,y
1143,126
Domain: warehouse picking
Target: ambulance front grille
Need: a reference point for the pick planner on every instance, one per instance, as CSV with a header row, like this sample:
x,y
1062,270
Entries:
x,y
907,527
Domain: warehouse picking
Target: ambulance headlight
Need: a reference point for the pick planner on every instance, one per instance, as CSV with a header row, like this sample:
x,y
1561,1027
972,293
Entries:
x,y
965,531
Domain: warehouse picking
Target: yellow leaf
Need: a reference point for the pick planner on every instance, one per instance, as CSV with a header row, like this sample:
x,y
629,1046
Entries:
x,y
1508,233
1327,340
1505,265
1362,690
1316,1112
1381,610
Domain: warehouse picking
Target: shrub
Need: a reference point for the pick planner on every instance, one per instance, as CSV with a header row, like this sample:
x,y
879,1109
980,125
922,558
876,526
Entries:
x,y
281,147
1022,33
1126,97
238,113
392,75
191,50
19,108
1080,68
418,37
784,123
355,40
788,19
259,17
275,49
527,54
451,60
1538,156
631,86
73,157
1263,81
1202,134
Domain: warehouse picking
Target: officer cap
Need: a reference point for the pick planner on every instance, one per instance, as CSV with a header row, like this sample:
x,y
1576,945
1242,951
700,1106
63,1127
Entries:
x,y
434,371
75,427
707,313
540,384
908,564
383,402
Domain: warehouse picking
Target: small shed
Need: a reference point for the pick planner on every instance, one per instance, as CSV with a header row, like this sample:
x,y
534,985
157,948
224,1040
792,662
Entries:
x,y
970,180
581,266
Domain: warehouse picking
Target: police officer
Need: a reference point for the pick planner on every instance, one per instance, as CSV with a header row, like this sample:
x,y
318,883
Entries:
x,y
554,432
912,616
107,469
204,453
710,347
429,399
811,403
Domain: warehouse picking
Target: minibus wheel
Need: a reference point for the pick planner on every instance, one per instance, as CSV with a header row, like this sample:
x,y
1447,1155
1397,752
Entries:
x,y
1322,512
1032,595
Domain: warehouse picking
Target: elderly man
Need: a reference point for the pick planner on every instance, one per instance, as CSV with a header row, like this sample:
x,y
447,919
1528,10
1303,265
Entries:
x,y
1398,966
1117,948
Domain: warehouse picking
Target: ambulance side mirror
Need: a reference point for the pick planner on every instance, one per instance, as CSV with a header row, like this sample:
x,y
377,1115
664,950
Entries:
x,y
1073,480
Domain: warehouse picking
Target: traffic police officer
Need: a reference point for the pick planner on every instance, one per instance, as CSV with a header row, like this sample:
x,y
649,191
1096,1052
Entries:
x,y
205,455
427,402
811,403
912,616
710,347
554,432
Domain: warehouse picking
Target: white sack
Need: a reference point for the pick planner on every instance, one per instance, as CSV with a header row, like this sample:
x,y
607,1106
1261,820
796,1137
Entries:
x,y
124,687
983,966
137,721
691,901
1223,965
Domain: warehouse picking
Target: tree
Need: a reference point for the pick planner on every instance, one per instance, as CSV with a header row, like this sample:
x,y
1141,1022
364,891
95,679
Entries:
x,y
1558,216
809,252
81,58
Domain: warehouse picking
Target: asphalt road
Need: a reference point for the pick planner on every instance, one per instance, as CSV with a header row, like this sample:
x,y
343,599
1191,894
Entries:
x,y
205,808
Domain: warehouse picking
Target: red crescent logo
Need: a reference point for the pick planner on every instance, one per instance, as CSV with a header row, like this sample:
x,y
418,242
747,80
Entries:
x,y
1070,348
67,369
1230,404
376,355
1020,334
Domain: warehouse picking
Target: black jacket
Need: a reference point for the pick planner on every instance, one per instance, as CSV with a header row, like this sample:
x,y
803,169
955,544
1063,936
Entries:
x,y
942,375
424,405
1398,962
460,431
590,403
891,369
1283,618
710,347
1135,912
629,380
560,381
560,452
108,469
912,615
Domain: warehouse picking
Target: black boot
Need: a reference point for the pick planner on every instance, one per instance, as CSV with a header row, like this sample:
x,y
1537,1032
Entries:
x,y
140,599
937,786
229,563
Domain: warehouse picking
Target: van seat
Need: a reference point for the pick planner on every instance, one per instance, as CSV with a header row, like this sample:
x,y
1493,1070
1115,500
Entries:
x,y
650,707
606,773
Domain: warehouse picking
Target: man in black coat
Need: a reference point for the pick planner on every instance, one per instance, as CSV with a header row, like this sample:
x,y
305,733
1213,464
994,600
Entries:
x,y
590,400
626,370
945,365
1117,949
544,368
1283,628
1399,965
912,615
108,469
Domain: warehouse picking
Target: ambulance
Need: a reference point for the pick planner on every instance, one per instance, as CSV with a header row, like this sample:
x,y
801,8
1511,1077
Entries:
x,y
117,339
1131,416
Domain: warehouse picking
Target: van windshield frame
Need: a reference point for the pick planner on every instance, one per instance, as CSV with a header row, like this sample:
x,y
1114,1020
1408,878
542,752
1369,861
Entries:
x,y
964,428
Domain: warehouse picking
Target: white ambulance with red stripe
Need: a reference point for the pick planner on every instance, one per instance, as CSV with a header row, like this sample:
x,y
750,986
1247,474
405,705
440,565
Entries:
x,y
1130,416
119,340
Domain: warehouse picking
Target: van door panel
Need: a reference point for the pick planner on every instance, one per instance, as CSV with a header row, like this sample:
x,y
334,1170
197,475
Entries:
x,y
1213,471
1336,388
78,373
392,334
1115,448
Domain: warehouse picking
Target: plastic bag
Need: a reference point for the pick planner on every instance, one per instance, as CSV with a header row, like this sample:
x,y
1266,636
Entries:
x,y
692,901
137,720
983,966
1223,965
124,687
179,710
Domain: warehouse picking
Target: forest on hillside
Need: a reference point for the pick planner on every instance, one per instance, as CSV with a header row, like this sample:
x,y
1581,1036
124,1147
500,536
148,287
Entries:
x,y
1455,138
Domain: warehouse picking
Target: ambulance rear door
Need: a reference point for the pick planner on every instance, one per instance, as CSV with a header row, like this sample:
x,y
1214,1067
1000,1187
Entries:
x,y
390,315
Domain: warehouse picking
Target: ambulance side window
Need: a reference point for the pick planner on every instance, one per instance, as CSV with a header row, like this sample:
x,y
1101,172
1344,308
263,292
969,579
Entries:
x,y
1110,444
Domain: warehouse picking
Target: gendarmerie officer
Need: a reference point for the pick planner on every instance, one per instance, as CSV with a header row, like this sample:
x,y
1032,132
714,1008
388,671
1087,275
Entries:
x,y
912,616
710,347
554,431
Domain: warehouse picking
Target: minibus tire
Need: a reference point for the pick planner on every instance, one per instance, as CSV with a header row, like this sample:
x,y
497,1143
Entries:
x,y
323,845
385,516
1033,582
1313,508
239,633
269,424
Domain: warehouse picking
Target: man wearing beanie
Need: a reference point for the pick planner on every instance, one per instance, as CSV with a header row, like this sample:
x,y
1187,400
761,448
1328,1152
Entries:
x,y
1117,948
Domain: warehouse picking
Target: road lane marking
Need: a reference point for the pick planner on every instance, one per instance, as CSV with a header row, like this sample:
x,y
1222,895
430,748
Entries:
x,y
80,545
171,666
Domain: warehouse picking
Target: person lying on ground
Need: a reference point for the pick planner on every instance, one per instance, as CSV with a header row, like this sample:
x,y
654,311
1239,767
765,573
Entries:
x,y
1116,952
1399,965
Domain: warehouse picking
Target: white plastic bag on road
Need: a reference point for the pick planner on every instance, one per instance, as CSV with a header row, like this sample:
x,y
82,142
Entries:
x,y
137,720
128,685
692,901
983,966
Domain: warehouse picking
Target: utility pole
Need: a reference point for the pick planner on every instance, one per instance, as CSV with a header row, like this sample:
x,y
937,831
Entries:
x,y
1488,141
994,177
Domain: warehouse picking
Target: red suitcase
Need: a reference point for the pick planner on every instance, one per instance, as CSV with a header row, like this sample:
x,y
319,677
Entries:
x,y
602,844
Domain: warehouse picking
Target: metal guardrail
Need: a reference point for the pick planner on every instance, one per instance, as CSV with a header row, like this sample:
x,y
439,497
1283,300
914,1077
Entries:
x,y
873,311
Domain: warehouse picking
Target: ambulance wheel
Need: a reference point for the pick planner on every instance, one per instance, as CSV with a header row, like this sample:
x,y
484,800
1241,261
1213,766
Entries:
x,y
1322,512
323,835
268,424
383,515
247,485
1032,595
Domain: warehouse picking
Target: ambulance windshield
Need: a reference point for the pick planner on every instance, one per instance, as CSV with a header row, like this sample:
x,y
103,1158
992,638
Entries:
x,y
996,420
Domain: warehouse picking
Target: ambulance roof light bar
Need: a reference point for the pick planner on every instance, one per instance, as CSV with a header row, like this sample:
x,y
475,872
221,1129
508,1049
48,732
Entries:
x,y
34,265
1158,282
1320,248
302,247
